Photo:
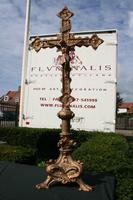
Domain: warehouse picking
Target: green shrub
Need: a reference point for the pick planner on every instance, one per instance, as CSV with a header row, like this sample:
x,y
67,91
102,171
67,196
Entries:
x,y
17,154
36,137
99,152
124,189
45,140
41,164
81,136
109,153
4,133
26,137
102,152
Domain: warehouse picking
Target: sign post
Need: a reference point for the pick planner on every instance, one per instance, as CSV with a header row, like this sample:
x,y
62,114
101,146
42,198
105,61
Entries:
x,y
25,56
65,169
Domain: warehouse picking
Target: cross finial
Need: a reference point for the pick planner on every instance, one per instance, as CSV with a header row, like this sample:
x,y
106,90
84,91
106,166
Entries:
x,y
65,14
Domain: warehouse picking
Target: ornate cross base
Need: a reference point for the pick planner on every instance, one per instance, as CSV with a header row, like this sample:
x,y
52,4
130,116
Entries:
x,y
64,170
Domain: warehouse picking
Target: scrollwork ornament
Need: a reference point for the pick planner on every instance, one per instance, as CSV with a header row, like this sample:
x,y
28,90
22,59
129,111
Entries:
x,y
37,44
95,41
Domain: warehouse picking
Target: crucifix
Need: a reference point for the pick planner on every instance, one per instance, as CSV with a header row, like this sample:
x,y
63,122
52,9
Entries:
x,y
65,169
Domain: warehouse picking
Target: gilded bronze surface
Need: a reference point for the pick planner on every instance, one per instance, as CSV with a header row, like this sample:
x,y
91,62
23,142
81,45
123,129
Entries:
x,y
65,169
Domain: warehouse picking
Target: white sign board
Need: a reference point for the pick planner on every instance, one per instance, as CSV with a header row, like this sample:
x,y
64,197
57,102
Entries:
x,y
93,86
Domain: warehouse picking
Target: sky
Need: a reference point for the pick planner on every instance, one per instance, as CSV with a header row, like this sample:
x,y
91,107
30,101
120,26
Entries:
x,y
89,15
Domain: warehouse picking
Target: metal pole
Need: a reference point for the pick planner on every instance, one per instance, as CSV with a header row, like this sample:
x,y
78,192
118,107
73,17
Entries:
x,y
25,59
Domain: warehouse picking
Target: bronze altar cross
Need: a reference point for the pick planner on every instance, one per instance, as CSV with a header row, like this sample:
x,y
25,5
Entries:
x,y
65,169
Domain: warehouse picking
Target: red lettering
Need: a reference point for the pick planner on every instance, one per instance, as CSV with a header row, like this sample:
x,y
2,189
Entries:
x,y
107,67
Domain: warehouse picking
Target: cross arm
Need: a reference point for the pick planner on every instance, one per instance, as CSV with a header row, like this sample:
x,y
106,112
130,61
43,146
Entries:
x,y
38,44
94,41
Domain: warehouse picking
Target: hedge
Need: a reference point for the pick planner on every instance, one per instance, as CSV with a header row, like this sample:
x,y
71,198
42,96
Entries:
x,y
100,152
109,153
44,140
17,154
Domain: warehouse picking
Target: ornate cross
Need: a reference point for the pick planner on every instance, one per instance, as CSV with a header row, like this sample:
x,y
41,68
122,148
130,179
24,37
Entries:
x,y
65,169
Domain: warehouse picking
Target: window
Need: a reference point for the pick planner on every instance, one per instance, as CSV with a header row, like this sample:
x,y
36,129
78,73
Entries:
x,y
6,98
